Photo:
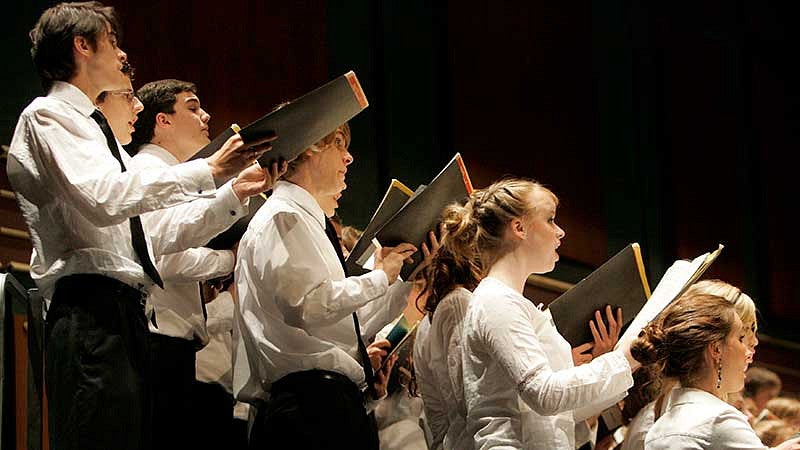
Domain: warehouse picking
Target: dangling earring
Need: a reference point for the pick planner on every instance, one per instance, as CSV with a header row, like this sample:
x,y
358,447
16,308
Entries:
x,y
719,375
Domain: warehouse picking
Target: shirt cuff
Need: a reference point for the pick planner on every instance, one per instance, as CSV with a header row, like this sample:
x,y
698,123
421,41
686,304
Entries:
x,y
227,260
230,202
378,284
196,178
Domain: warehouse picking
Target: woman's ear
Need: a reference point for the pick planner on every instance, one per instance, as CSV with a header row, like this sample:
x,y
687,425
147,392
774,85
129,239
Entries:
x,y
518,228
714,351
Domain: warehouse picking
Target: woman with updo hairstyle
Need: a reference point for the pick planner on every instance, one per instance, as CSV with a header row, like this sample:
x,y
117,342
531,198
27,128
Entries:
x,y
746,310
742,303
449,279
699,341
521,386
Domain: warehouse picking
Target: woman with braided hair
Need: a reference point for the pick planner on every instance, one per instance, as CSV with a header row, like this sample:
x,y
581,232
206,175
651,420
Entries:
x,y
699,341
449,280
521,386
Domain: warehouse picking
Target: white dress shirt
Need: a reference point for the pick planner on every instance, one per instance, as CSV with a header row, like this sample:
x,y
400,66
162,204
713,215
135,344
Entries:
x,y
437,361
295,303
696,419
398,415
178,308
638,428
75,198
190,224
215,361
520,384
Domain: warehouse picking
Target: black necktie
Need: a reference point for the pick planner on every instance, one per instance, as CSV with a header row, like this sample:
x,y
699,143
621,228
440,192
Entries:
x,y
137,232
362,349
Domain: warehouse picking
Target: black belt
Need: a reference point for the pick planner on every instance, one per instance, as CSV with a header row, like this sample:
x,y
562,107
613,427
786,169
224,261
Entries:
x,y
303,382
91,283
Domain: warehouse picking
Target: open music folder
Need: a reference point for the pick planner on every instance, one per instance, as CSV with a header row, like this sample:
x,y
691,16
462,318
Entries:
x,y
620,282
301,122
423,211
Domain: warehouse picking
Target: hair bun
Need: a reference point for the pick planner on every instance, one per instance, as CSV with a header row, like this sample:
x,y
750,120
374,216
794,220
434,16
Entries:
x,y
648,347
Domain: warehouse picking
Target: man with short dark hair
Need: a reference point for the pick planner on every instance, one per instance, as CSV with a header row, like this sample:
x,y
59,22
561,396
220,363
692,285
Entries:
x,y
170,129
91,253
760,386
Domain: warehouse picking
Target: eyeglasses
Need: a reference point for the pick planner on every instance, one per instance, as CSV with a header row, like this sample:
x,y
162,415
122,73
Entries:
x,y
127,94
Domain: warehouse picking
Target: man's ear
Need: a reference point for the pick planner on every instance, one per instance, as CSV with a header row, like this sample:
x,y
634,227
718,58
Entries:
x,y
162,120
81,46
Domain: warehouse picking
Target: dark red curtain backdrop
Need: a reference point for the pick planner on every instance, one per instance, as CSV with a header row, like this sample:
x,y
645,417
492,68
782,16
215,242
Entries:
x,y
670,124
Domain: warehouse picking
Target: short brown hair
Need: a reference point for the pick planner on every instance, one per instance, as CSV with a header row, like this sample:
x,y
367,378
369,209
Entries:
x,y
758,378
53,34
156,97
350,235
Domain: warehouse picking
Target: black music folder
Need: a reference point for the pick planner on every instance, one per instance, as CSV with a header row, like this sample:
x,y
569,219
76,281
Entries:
x,y
301,122
422,212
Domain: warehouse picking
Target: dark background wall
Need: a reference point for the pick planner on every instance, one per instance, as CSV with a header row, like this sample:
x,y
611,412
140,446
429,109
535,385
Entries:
x,y
671,124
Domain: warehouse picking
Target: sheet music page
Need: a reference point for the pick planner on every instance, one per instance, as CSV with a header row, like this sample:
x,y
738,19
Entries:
x,y
670,286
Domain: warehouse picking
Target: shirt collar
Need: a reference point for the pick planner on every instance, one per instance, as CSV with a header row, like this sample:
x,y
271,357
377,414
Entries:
x,y
300,197
71,95
159,152
500,285
684,395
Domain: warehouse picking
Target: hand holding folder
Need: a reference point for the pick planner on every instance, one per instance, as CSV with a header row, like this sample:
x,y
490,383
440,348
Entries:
x,y
620,282
234,155
422,212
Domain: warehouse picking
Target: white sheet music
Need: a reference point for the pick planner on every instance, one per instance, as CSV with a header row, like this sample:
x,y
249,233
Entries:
x,y
671,284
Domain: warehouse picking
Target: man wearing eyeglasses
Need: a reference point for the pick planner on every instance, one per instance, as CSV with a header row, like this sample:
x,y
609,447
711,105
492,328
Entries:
x,y
92,256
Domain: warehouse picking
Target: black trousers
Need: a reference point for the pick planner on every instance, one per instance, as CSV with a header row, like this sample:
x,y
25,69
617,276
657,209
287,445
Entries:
x,y
214,414
314,410
172,369
96,365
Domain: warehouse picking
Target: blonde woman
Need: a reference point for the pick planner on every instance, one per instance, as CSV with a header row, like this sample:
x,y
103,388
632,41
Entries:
x,y
520,383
